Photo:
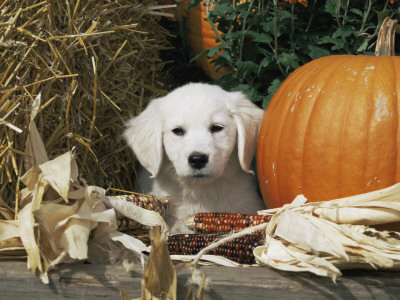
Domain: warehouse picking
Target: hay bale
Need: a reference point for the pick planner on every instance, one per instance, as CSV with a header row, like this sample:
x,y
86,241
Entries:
x,y
91,64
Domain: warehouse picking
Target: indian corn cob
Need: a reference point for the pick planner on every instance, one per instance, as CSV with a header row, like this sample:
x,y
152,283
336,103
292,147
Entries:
x,y
157,204
239,250
224,222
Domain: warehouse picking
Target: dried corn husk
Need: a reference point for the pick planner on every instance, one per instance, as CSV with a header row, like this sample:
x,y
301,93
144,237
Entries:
x,y
326,237
334,234
373,208
51,229
159,279
63,220
10,243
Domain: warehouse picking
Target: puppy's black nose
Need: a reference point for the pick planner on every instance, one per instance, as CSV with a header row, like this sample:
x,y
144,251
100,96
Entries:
x,y
198,160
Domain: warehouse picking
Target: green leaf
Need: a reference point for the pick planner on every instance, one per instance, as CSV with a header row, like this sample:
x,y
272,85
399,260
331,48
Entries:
x,y
232,17
223,10
273,87
245,68
337,43
268,26
266,61
363,46
225,54
289,60
331,7
260,37
200,56
357,12
244,13
284,14
325,40
316,52
234,35
213,51
227,81
344,32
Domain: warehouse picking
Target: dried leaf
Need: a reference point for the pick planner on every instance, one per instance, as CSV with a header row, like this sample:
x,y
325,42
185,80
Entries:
x,y
311,237
34,149
298,230
159,279
8,229
279,256
30,178
75,238
58,173
27,234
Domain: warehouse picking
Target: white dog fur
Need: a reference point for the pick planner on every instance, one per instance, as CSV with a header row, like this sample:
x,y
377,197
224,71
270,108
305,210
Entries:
x,y
197,143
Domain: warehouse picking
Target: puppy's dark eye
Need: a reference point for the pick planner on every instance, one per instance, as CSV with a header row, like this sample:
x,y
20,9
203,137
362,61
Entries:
x,y
178,131
216,128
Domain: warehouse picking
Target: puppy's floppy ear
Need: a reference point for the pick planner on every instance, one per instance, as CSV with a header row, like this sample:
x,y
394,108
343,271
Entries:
x,y
144,136
248,118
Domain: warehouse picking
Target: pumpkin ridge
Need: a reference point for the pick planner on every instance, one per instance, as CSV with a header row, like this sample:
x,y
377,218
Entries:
x,y
337,65
315,68
369,101
307,82
278,127
368,143
263,147
379,175
395,111
342,140
397,92
362,65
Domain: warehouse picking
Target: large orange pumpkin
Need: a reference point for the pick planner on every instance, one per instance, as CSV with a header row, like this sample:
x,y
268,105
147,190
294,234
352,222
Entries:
x,y
332,129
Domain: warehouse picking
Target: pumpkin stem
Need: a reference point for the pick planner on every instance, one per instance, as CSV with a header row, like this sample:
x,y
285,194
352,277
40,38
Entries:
x,y
385,42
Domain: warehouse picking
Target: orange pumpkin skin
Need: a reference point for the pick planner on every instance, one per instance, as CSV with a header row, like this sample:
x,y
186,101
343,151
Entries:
x,y
332,130
201,37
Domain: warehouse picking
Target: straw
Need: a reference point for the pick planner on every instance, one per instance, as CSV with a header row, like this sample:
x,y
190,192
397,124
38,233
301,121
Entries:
x,y
94,65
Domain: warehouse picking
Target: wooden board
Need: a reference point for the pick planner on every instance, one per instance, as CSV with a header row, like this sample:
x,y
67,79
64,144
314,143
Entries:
x,y
85,281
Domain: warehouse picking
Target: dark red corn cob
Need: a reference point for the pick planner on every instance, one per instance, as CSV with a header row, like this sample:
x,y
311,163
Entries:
x,y
239,250
224,222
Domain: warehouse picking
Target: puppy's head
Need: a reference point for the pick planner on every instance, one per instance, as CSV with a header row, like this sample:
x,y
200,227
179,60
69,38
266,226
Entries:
x,y
197,126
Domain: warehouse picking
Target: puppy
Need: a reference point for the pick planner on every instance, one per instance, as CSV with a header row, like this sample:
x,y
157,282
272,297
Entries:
x,y
197,143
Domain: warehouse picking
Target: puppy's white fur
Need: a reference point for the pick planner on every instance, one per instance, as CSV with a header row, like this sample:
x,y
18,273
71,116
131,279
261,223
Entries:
x,y
198,119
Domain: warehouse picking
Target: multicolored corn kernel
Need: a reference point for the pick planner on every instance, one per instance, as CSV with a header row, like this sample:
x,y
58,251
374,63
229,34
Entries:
x,y
239,250
149,202
224,222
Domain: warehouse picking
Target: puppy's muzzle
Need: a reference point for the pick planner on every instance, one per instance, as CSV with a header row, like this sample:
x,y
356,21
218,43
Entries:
x,y
198,160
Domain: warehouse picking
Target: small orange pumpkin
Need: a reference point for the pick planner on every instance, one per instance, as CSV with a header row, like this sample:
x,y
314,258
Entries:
x,y
333,128
200,36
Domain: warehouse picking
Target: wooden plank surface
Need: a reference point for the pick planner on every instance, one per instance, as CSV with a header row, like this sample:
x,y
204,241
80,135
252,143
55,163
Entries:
x,y
86,281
